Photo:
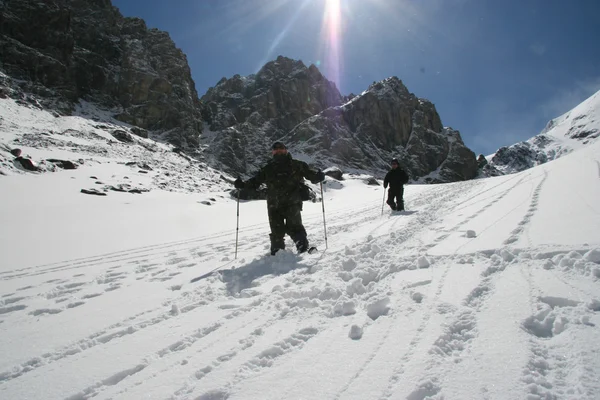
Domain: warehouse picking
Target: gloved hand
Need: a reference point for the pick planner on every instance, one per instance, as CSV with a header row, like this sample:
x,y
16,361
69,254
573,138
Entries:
x,y
239,183
320,176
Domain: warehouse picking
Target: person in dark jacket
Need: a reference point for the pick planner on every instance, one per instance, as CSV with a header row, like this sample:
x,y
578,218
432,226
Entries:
x,y
284,178
396,178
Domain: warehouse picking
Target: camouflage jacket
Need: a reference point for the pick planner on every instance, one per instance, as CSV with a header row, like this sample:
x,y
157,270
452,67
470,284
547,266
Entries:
x,y
284,178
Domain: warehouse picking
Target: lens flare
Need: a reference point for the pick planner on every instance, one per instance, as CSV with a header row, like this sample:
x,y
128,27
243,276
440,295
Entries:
x,y
331,32
282,35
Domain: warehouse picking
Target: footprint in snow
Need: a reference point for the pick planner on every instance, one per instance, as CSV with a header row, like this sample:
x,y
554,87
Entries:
x,y
42,311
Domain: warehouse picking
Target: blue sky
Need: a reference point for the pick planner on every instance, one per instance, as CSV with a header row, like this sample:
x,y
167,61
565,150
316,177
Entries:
x,y
496,70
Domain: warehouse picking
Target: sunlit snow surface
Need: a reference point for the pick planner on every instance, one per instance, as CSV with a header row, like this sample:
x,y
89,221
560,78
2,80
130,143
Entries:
x,y
487,289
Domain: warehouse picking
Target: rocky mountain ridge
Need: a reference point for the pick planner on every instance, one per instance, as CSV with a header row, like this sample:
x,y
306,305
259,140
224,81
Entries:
x,y
572,130
56,53
289,101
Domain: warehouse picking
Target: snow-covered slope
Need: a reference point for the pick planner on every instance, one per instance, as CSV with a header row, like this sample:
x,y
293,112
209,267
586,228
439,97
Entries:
x,y
562,135
485,289
92,139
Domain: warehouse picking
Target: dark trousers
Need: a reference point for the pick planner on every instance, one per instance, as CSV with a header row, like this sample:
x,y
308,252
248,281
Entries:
x,y
287,220
397,194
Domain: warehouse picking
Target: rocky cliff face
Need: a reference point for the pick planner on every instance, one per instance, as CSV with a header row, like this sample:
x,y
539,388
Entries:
x,y
384,122
61,51
291,102
56,52
246,114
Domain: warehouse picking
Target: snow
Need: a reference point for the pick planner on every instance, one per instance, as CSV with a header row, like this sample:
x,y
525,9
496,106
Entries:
x,y
485,289
571,131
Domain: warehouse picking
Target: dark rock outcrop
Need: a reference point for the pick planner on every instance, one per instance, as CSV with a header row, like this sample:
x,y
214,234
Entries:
x,y
61,51
64,164
335,173
249,113
288,101
385,122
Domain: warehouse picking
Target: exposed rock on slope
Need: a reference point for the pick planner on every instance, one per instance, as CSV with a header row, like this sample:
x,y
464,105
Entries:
x,y
287,100
64,50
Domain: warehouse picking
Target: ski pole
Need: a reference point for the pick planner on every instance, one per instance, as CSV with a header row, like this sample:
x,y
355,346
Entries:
x,y
383,201
237,225
323,206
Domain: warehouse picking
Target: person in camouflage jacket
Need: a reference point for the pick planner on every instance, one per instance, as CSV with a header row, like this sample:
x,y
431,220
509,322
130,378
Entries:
x,y
284,178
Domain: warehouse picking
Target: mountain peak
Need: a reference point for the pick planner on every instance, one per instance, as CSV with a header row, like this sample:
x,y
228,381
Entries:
x,y
562,135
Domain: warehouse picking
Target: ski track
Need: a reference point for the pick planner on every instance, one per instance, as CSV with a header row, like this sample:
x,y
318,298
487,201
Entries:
x,y
463,328
233,353
421,222
533,207
251,357
127,327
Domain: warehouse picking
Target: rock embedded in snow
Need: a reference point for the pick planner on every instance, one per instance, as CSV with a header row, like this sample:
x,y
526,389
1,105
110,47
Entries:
x,y
471,234
93,191
371,181
356,332
334,172
378,308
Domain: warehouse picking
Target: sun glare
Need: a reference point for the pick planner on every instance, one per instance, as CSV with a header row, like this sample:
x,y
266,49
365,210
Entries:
x,y
331,33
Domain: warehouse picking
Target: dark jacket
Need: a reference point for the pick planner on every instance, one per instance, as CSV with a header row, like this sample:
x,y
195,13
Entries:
x,y
284,178
395,178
